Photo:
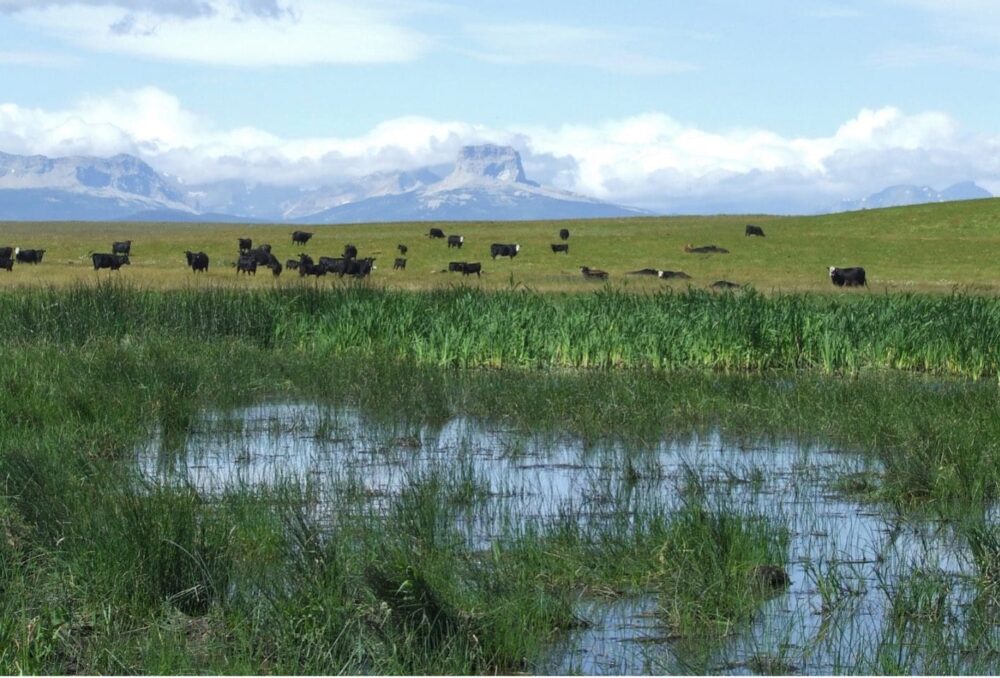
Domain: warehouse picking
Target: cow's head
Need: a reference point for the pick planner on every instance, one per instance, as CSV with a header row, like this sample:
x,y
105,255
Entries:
x,y
517,248
833,271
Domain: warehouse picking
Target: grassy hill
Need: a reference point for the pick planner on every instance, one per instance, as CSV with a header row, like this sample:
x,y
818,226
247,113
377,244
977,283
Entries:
x,y
932,248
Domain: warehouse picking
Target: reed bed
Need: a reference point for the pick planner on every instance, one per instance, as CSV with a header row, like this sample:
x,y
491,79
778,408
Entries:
x,y
468,328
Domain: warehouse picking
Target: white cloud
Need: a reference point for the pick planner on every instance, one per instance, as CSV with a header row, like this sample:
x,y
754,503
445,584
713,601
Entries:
x,y
650,160
232,32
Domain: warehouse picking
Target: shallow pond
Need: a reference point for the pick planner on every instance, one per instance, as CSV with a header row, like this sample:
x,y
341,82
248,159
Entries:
x,y
850,562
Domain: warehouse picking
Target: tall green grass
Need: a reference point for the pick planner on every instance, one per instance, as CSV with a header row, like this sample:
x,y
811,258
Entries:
x,y
461,327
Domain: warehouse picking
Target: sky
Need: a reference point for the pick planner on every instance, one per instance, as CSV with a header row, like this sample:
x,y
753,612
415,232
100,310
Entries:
x,y
689,106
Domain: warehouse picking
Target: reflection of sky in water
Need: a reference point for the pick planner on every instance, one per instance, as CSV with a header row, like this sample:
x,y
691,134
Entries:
x,y
538,478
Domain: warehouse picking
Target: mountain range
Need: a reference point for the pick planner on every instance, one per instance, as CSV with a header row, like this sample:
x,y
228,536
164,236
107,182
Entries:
x,y
486,182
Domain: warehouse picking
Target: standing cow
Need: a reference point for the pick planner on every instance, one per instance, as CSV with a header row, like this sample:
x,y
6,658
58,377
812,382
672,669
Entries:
x,y
198,261
301,237
456,241
435,233
753,230
29,256
848,277
564,234
501,250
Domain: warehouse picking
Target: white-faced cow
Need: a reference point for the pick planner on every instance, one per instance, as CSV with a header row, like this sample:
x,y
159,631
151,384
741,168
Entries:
x,y
560,247
456,241
246,244
301,237
501,250
198,261
564,234
121,247
848,277
29,256
673,275
753,230
112,261
593,273
435,233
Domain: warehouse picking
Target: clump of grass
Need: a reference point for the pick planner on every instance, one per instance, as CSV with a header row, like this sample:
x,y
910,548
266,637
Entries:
x,y
710,569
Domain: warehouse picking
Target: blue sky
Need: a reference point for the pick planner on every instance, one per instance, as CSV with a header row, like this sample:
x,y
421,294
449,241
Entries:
x,y
650,103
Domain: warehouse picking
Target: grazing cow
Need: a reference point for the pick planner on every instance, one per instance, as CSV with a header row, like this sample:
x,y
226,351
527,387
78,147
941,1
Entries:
x,y
753,230
7,263
350,252
246,244
564,234
198,261
275,267
848,277
292,264
473,267
705,249
246,264
122,247
724,285
669,275
499,250
456,241
455,266
564,247
333,264
399,264
301,237
402,249
112,261
593,273
262,255
359,268
435,233
307,267
29,256
8,252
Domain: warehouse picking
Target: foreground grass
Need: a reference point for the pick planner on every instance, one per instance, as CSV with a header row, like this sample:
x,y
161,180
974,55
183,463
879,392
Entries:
x,y
935,247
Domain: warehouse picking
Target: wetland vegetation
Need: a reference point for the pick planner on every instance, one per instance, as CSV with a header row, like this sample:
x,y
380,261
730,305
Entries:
x,y
301,481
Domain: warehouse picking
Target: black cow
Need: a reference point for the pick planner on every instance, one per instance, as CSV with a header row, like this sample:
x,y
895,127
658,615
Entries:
x,y
198,261
435,233
456,241
593,273
402,249
333,264
7,263
359,268
564,247
705,249
645,271
275,267
753,230
246,264
724,285
399,264
122,247
8,252
473,267
499,250
455,266
669,275
564,234
262,255
350,252
246,244
29,256
292,264
848,277
112,261
301,237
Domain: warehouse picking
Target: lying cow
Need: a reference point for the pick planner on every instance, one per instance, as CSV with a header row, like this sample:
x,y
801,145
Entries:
x,y
753,230
301,237
556,248
198,261
435,233
848,277
121,247
593,273
564,234
673,275
456,241
399,264
724,285
112,261
500,250
705,249
29,256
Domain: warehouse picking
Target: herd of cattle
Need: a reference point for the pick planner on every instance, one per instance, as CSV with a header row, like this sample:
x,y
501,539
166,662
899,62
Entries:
x,y
249,258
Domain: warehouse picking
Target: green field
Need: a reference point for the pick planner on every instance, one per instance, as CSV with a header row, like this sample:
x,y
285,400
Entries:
x,y
934,248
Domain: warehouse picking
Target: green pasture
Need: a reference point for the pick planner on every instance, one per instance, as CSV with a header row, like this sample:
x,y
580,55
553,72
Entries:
x,y
925,248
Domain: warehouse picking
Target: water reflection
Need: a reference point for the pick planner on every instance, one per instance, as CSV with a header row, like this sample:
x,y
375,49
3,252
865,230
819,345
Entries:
x,y
846,556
